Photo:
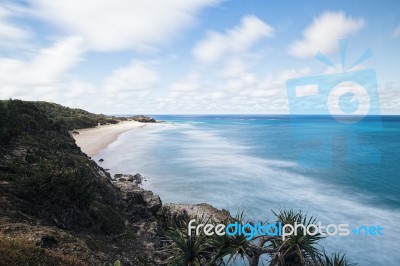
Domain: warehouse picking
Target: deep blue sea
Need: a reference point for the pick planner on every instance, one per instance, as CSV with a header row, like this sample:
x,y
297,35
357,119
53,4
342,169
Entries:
x,y
339,172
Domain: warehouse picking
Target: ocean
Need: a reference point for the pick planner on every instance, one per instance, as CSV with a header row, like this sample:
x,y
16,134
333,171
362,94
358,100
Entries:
x,y
338,172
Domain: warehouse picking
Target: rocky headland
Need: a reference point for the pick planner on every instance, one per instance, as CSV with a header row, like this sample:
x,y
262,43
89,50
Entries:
x,y
58,207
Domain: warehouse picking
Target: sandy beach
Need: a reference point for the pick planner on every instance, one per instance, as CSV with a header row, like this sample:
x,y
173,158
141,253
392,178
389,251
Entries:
x,y
93,140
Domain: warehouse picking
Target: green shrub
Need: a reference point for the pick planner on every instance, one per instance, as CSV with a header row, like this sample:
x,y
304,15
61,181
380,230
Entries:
x,y
109,220
61,179
49,169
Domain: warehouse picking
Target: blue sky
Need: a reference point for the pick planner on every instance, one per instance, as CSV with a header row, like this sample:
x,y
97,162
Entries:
x,y
198,56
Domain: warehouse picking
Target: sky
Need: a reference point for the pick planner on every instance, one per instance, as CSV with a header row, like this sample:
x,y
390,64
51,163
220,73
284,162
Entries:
x,y
194,57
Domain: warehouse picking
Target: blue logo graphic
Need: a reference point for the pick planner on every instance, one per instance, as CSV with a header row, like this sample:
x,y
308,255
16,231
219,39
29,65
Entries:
x,y
252,230
347,97
348,103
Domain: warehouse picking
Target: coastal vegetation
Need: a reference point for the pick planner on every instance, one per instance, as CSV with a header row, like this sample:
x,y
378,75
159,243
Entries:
x,y
58,207
40,157
298,249
49,189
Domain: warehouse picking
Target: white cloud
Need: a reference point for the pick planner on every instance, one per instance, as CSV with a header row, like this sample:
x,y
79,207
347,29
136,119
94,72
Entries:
x,y
109,25
274,84
331,70
241,84
76,88
324,33
233,68
11,35
389,98
396,32
244,93
136,76
128,89
237,40
41,73
190,83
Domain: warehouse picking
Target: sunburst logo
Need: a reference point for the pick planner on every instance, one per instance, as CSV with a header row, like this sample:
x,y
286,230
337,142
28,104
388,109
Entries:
x,y
347,98
349,95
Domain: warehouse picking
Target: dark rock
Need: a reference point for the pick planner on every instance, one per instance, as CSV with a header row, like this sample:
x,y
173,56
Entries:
x,y
118,176
170,213
138,178
101,160
140,203
143,119
47,241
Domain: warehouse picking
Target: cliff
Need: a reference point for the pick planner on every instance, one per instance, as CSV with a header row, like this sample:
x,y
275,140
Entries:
x,y
58,207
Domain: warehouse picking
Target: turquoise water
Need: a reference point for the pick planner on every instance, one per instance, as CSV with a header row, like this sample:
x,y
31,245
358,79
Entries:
x,y
342,173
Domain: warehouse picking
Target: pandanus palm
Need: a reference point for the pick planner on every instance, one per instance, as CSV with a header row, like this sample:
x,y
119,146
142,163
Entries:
x,y
187,249
230,247
336,259
299,248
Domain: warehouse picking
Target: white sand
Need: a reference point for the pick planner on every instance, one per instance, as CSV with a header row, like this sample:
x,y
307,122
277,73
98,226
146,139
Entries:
x,y
93,140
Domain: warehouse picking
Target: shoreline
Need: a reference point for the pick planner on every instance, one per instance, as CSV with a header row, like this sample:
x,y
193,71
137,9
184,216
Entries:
x,y
93,140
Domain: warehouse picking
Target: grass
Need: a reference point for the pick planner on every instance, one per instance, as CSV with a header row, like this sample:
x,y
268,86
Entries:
x,y
130,234
97,245
17,251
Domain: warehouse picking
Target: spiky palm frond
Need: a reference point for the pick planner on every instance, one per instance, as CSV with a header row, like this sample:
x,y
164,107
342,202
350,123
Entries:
x,y
300,247
186,249
335,259
231,247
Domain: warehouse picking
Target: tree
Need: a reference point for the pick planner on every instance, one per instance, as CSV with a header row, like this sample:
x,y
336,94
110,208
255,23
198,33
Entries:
x,y
299,248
